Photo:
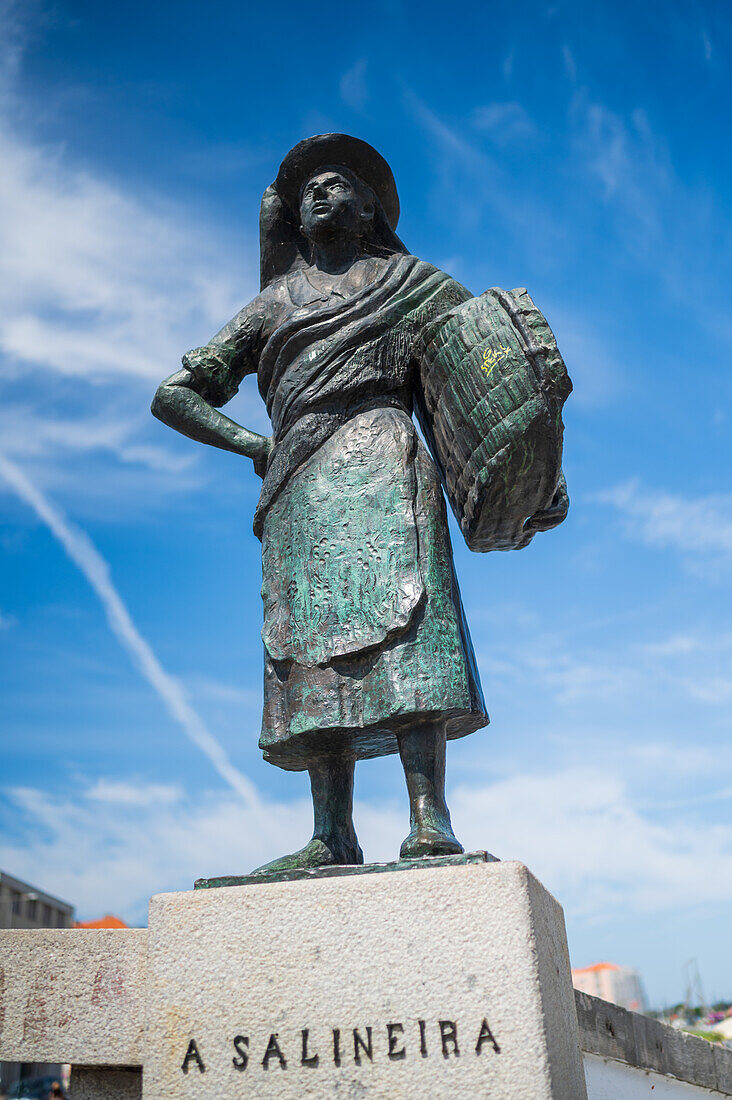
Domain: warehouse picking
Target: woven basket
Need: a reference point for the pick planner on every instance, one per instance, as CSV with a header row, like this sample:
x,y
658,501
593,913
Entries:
x,y
492,389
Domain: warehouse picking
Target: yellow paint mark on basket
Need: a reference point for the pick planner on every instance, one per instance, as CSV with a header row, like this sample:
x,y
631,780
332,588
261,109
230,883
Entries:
x,y
492,357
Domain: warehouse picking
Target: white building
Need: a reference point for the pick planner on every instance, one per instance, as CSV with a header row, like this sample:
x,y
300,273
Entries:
x,y
619,984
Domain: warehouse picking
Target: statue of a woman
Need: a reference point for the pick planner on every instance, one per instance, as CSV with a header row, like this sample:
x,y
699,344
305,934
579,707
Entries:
x,y
366,647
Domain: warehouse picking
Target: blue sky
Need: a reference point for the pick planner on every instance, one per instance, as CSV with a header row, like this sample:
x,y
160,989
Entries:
x,y
579,150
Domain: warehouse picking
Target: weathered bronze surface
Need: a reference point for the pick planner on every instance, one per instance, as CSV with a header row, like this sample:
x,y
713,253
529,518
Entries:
x,y
367,651
336,870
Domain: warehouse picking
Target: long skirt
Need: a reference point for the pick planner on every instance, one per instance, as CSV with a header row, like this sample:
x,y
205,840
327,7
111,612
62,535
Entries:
x,y
365,633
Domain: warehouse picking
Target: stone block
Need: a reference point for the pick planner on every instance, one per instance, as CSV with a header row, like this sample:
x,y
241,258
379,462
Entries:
x,y
605,1029
438,982
105,1083
723,1069
683,1056
74,995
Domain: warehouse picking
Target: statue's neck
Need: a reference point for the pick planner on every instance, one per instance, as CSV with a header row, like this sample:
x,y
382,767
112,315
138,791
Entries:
x,y
336,255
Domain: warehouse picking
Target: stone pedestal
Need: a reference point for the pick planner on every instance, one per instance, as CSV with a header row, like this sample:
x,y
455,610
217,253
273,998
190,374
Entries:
x,y
440,981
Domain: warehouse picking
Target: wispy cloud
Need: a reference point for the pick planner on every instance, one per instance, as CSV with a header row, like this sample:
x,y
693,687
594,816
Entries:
x,y
693,526
96,283
570,65
102,287
354,87
504,123
120,793
581,830
694,665
110,854
30,434
475,180
95,569
662,218
447,137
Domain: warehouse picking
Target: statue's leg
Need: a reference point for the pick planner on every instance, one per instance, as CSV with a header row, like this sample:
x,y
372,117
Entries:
x,y
334,836
422,749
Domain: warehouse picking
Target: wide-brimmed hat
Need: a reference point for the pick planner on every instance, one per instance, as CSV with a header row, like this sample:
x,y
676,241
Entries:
x,y
313,153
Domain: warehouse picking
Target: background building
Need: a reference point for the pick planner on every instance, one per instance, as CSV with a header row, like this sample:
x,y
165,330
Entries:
x,y
25,906
619,984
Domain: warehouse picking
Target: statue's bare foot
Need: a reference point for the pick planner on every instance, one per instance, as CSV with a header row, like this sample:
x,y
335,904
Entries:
x,y
320,852
424,841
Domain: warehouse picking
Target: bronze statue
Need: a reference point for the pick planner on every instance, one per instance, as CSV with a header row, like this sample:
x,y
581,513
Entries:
x,y
367,651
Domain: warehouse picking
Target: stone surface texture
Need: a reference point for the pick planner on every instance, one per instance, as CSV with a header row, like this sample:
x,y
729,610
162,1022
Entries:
x,y
74,995
80,995
105,1083
453,947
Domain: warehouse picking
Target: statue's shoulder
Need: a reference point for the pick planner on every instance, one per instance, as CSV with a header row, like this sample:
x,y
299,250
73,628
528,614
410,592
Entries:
x,y
267,309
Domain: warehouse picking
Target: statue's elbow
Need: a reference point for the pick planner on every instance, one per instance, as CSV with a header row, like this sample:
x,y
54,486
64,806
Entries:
x,y
159,406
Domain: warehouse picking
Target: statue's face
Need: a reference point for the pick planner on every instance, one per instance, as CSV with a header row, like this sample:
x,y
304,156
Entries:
x,y
329,204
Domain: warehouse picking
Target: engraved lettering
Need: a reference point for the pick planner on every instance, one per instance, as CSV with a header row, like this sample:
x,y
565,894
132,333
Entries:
x,y
336,1046
422,1038
367,1046
486,1036
241,1058
393,1031
273,1051
448,1034
192,1055
307,1059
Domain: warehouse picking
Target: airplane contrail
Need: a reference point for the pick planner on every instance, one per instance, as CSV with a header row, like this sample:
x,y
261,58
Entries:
x,y
95,569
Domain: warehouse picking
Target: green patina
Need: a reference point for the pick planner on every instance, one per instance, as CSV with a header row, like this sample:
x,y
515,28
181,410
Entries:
x,y
366,648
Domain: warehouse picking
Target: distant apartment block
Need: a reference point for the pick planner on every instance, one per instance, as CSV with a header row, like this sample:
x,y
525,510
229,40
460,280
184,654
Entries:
x,y
25,906
619,984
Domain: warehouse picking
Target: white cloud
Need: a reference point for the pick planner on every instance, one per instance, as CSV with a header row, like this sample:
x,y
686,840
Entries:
x,y
676,227
353,86
663,759
585,836
570,65
672,646
6,621
95,282
128,794
505,123
691,525
100,282
694,664
472,182
579,830
82,552
204,687
634,170
29,434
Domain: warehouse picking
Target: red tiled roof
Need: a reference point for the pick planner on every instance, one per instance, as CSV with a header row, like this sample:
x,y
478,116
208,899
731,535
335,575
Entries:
x,y
107,921
596,966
